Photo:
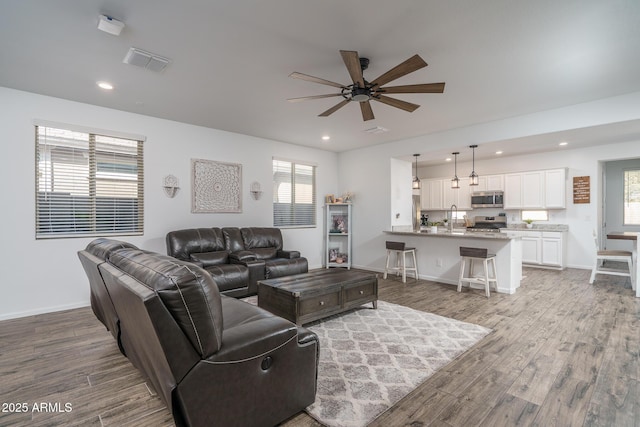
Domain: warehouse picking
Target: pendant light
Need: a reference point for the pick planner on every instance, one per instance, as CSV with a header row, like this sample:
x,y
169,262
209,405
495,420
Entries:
x,y
455,182
473,178
416,181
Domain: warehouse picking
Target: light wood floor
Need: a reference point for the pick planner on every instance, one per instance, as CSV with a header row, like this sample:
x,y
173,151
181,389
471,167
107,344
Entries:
x,y
564,353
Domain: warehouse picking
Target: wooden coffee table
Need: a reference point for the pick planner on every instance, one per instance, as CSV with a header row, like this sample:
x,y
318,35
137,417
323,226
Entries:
x,y
303,298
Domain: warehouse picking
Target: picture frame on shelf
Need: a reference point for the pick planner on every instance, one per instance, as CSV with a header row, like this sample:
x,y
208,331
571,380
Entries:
x,y
339,224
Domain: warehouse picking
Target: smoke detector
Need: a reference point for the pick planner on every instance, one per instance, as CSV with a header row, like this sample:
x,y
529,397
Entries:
x,y
110,25
148,60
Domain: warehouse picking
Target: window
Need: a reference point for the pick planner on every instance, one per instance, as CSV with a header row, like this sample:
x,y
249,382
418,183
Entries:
x,y
631,210
535,215
87,184
294,194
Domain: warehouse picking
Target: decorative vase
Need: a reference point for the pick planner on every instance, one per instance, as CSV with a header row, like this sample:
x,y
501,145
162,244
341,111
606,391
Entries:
x,y
529,225
434,229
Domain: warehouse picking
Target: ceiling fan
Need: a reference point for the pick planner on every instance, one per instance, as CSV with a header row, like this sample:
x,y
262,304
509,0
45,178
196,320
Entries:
x,y
362,91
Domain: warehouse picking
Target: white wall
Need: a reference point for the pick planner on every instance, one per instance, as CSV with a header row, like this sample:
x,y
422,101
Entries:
x,y
46,275
371,209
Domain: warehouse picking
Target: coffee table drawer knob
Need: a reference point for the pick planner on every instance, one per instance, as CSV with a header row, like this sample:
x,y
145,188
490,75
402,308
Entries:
x,y
321,302
361,292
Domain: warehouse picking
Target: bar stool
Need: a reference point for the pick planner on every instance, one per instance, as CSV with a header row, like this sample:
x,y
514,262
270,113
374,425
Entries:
x,y
482,255
401,261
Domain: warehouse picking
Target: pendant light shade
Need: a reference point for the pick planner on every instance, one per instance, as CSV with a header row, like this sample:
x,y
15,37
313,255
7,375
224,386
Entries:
x,y
455,182
473,178
416,181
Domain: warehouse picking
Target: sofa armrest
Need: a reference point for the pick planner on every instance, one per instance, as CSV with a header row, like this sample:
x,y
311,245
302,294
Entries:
x,y
241,257
288,254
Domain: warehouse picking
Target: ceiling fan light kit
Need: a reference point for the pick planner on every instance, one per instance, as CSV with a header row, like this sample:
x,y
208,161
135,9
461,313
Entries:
x,y
362,91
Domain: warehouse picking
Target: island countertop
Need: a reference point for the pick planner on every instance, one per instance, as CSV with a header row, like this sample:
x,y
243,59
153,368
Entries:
x,y
456,234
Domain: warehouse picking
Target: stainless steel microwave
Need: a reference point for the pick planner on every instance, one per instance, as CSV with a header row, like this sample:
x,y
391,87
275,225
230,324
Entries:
x,y
487,199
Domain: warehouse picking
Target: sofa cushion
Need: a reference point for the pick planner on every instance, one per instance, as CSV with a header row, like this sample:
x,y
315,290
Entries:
x,y
229,276
262,237
188,292
182,243
233,239
207,259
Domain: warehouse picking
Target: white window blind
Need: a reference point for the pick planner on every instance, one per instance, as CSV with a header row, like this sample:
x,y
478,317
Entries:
x,y
87,184
294,194
631,210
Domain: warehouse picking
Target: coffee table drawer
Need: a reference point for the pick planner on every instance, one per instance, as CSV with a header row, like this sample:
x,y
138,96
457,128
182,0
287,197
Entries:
x,y
365,291
320,303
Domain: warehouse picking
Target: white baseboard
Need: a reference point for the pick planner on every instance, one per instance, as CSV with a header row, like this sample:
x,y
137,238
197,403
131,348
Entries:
x,y
43,310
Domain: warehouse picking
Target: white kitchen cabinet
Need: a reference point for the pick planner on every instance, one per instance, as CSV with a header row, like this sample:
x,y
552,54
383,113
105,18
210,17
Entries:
x,y
512,191
555,189
533,190
531,248
545,189
431,194
490,183
541,248
552,249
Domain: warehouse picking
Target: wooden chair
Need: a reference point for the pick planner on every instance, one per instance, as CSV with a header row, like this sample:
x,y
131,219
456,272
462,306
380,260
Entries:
x,y
611,255
478,255
401,252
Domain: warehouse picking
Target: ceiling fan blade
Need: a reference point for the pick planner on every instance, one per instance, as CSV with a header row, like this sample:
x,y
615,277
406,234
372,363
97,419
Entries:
x,y
306,98
308,78
423,88
334,108
409,66
367,112
403,105
352,61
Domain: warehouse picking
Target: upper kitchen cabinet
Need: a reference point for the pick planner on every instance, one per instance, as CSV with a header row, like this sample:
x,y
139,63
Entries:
x,y
490,183
555,189
535,190
431,194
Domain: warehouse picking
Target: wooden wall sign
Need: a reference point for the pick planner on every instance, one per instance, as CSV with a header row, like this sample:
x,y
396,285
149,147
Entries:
x,y
581,189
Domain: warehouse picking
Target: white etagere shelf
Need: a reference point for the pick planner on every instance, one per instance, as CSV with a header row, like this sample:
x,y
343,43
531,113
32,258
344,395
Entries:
x,y
338,235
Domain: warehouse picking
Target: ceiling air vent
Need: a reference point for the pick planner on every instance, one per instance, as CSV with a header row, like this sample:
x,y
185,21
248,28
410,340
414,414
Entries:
x,y
148,60
377,129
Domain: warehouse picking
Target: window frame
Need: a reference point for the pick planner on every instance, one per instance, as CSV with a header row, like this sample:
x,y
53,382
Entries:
x,y
291,219
101,181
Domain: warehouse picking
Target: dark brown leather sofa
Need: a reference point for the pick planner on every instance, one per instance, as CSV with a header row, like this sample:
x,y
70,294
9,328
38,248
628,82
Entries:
x,y
212,359
236,257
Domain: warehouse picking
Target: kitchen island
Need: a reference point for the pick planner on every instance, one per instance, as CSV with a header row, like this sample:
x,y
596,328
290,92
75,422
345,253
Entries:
x,y
438,254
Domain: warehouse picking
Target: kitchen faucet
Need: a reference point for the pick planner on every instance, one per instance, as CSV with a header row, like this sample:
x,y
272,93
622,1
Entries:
x,y
451,216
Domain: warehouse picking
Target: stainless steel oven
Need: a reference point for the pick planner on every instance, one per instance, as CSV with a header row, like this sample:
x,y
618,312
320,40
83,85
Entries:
x,y
487,199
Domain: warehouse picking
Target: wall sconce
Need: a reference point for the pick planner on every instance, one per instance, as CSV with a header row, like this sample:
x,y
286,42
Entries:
x,y
255,190
455,182
416,181
170,186
473,178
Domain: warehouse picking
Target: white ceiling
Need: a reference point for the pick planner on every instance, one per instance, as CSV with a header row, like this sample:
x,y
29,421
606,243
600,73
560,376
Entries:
x,y
231,60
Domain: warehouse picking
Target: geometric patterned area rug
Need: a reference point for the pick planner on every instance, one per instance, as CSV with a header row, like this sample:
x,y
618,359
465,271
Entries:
x,y
370,359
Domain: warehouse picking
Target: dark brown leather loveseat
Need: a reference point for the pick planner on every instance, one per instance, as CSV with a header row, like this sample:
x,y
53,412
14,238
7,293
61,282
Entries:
x,y
236,257
212,359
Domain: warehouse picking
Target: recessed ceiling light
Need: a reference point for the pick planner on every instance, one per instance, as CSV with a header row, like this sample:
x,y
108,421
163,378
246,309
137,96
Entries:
x,y
326,137
448,159
498,152
105,85
563,143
